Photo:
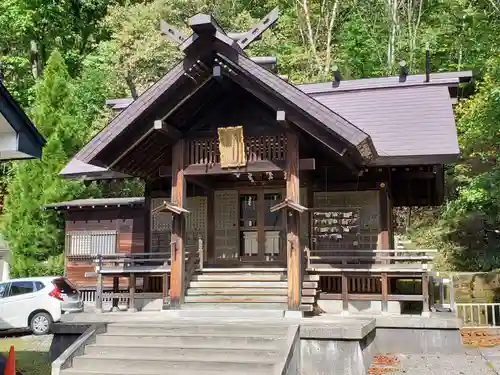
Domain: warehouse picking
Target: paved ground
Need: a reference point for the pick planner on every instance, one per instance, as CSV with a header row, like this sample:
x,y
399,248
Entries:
x,y
481,357
32,352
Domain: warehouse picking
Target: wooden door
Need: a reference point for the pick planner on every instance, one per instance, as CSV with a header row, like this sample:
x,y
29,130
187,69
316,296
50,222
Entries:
x,y
261,231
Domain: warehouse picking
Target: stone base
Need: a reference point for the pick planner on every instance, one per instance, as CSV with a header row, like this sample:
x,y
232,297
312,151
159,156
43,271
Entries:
x,y
368,307
289,314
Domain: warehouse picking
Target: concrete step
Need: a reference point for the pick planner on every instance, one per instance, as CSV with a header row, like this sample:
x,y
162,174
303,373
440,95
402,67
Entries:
x,y
248,284
184,328
240,277
155,365
72,371
237,291
235,299
227,310
242,299
179,340
162,351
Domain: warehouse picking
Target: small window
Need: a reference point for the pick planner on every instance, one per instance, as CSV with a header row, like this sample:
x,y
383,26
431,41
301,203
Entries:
x,y
3,289
88,243
39,285
20,287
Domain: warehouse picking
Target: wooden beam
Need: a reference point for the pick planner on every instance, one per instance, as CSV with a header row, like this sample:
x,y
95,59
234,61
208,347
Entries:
x,y
200,181
217,72
251,167
178,198
170,131
172,33
294,251
256,31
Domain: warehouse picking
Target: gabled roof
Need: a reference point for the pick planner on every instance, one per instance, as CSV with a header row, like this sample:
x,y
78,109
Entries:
x,y
208,44
19,139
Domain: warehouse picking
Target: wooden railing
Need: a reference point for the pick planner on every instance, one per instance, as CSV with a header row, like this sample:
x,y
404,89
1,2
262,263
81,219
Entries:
x,y
129,261
266,147
343,257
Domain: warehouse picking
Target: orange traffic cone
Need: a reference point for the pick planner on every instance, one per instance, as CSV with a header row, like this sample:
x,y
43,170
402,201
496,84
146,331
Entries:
x,y
10,365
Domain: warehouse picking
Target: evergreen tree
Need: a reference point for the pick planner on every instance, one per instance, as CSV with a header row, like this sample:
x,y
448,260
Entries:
x,y
35,235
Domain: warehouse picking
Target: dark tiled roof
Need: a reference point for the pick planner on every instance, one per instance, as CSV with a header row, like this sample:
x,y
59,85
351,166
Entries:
x,y
403,122
447,78
97,202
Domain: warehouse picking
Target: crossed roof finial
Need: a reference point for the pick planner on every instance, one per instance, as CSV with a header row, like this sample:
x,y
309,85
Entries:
x,y
202,21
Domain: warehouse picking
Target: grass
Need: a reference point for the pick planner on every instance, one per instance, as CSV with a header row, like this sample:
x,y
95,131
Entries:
x,y
31,357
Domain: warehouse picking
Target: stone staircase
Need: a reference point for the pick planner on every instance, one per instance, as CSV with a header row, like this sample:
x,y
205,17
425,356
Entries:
x,y
190,347
250,289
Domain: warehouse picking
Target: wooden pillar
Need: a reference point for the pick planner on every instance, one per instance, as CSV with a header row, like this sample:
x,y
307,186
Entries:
x,y
345,293
131,288
210,245
425,294
178,226
385,291
98,291
165,289
116,289
294,252
383,242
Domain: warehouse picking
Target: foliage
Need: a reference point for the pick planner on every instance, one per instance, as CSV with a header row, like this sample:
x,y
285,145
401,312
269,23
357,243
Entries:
x,y
113,48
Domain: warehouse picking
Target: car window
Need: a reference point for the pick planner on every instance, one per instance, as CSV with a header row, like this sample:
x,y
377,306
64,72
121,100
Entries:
x,y
39,285
64,285
3,289
20,287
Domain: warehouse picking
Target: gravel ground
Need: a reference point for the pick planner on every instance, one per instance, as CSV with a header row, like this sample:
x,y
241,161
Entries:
x,y
471,362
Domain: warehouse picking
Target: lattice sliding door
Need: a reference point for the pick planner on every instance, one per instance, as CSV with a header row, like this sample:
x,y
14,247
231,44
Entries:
x,y
161,228
196,223
226,224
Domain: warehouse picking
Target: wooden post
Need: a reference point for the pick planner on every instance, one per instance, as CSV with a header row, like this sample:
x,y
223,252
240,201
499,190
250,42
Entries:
x,y
116,289
294,257
98,292
178,226
345,293
210,242
383,242
131,287
99,284
425,294
166,303
385,291
451,294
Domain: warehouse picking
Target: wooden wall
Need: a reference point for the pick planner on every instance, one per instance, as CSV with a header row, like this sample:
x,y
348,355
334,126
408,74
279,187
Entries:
x,y
129,225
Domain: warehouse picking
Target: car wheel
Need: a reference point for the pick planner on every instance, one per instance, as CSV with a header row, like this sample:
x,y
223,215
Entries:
x,y
40,323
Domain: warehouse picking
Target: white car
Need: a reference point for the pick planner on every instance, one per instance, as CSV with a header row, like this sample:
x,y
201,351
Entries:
x,y
34,302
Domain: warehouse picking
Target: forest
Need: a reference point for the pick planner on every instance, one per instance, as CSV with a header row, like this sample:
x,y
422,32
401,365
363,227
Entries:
x,y
62,59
